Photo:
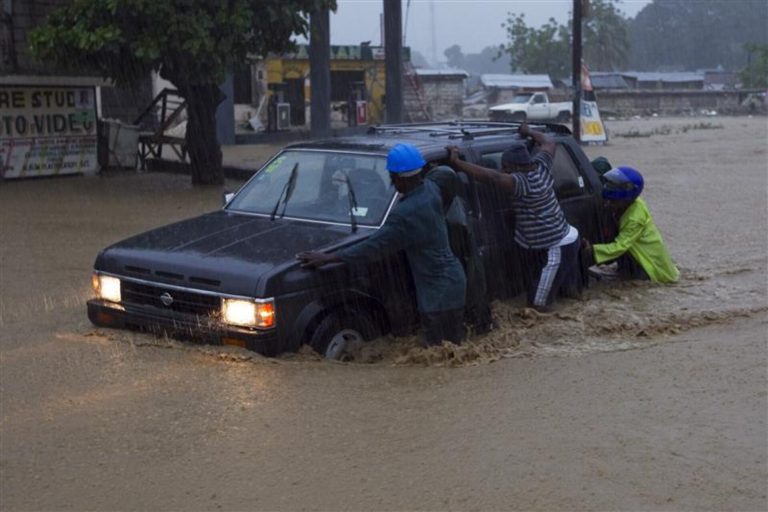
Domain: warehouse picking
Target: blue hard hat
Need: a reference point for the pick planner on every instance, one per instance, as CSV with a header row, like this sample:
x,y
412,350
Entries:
x,y
404,158
622,183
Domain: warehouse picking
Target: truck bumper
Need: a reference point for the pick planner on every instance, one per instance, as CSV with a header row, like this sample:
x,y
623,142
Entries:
x,y
179,326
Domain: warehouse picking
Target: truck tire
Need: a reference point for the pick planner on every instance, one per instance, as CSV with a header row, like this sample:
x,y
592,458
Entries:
x,y
564,117
518,117
336,331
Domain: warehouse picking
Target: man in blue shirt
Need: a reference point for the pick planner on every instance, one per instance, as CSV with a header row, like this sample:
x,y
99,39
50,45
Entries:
x,y
417,226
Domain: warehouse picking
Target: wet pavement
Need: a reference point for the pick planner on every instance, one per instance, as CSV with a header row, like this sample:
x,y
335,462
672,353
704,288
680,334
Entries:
x,y
636,397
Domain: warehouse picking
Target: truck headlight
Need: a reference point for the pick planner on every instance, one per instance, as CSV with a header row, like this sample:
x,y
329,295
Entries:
x,y
249,313
106,287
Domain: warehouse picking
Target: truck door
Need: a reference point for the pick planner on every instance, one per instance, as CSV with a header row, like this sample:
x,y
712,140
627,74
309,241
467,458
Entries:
x,y
574,193
495,228
538,109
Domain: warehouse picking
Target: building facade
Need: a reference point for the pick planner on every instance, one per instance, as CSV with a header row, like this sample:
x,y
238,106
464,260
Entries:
x,y
357,75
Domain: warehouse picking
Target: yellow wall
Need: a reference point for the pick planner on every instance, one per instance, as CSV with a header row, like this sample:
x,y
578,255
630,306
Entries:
x,y
279,69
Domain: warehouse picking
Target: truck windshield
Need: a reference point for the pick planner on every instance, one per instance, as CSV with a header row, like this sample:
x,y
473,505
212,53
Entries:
x,y
521,98
321,187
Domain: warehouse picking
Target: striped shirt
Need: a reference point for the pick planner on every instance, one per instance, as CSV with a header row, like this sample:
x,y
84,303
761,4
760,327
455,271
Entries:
x,y
539,220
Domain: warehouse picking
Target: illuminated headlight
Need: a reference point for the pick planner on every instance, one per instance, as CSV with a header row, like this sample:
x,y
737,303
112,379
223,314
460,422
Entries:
x,y
106,287
248,313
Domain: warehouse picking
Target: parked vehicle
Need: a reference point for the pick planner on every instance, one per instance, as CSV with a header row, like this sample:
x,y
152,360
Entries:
x,y
231,277
532,107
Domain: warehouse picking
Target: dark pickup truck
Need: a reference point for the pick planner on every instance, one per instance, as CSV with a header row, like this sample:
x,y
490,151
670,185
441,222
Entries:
x,y
231,277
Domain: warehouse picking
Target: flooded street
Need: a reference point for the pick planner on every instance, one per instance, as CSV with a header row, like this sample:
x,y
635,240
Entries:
x,y
636,397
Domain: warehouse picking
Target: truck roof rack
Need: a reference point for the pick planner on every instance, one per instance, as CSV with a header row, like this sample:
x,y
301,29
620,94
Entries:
x,y
464,129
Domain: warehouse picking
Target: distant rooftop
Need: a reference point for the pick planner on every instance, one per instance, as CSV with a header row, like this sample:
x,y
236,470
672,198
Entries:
x,y
670,77
608,80
441,72
516,81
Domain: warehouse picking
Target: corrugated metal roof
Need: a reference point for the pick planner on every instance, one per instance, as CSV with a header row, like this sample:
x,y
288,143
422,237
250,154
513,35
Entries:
x,y
513,81
608,81
681,76
441,72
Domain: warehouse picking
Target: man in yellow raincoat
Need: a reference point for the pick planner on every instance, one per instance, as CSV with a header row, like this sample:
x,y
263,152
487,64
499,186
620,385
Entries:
x,y
638,248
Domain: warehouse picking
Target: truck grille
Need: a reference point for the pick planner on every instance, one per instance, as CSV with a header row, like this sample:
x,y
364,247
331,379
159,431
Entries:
x,y
187,302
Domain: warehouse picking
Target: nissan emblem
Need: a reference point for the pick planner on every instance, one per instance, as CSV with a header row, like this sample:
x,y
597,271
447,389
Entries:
x,y
166,299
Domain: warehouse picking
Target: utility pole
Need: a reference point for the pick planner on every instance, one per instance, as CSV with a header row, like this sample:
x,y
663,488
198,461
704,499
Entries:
x,y
320,72
576,69
393,63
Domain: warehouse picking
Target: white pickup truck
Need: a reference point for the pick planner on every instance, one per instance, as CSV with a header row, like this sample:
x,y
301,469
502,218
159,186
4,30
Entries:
x,y
531,106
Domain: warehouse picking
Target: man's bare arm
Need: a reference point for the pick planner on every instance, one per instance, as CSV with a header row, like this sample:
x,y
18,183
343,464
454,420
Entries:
x,y
316,259
545,142
503,181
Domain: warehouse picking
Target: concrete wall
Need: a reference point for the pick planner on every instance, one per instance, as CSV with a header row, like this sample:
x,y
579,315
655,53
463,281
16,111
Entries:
x,y
442,98
671,102
445,97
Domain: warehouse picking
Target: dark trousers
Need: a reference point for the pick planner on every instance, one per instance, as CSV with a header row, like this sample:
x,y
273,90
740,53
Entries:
x,y
443,325
629,268
477,311
552,271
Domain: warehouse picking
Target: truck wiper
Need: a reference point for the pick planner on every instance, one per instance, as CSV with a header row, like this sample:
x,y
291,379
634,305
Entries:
x,y
287,192
352,203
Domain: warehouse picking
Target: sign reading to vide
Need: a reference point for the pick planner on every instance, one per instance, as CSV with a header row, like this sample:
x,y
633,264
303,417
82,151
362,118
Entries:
x,y
45,131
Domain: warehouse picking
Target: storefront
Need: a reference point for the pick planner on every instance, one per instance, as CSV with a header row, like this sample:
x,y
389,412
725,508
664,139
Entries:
x,y
357,81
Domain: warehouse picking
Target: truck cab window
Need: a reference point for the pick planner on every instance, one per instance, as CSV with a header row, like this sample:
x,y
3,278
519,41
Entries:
x,y
568,181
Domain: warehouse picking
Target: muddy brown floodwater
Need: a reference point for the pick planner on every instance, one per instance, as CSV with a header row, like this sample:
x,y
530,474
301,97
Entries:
x,y
637,397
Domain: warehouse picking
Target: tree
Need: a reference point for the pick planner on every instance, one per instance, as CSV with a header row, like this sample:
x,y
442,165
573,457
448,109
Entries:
x,y
418,60
605,36
755,74
192,43
547,49
685,35
454,56
489,60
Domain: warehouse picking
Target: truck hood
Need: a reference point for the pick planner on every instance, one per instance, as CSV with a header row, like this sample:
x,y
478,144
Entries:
x,y
509,106
223,252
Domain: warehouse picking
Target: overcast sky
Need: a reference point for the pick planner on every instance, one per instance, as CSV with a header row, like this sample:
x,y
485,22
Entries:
x,y
472,24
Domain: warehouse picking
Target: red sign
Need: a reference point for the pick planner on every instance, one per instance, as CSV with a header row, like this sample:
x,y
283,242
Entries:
x,y
362,112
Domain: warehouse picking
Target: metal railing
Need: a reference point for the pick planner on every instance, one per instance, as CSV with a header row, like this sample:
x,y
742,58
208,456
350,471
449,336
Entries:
x,y
151,143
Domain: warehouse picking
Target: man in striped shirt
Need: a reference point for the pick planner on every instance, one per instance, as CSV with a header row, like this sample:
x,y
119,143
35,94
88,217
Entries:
x,y
549,244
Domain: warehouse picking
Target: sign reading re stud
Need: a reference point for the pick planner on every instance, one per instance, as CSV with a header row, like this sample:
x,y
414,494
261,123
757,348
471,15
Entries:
x,y
47,131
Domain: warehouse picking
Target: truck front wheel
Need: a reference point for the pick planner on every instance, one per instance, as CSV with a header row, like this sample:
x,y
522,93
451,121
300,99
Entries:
x,y
339,330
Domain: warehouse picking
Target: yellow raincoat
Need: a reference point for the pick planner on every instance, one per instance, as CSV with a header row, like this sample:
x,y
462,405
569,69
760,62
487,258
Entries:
x,y
639,235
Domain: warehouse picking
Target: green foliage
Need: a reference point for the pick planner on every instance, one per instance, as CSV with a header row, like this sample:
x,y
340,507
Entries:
x,y
455,56
544,50
547,49
686,35
605,37
190,42
755,74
